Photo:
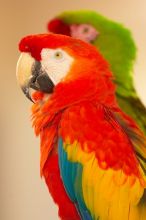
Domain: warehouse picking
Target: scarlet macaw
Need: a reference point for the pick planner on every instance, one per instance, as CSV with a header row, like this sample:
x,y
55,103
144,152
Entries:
x,y
93,156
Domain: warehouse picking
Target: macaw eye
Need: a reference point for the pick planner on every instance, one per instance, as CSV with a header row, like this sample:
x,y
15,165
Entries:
x,y
58,55
85,30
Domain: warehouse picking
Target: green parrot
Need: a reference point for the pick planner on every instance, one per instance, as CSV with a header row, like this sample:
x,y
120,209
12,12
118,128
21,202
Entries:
x,y
116,44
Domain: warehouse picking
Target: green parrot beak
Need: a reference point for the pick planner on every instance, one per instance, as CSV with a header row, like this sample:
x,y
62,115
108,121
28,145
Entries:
x,y
30,75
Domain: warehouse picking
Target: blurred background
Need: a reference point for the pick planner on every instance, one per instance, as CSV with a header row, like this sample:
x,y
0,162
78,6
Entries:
x,y
23,195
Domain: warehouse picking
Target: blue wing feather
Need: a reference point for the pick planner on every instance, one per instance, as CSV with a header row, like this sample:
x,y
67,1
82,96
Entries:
x,y
71,174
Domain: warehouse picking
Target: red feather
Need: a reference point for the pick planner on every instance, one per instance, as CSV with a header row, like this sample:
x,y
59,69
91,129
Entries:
x,y
57,26
35,43
67,210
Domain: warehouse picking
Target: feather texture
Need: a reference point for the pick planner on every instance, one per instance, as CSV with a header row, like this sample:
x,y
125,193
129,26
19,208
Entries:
x,y
108,185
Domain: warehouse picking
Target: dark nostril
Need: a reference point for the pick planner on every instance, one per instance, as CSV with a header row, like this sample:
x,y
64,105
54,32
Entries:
x,y
33,79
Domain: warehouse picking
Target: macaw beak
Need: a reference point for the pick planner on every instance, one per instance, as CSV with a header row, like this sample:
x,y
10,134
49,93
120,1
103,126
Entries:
x,y
30,75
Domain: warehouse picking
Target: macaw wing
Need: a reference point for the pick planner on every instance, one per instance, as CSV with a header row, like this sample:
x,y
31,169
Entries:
x,y
71,174
102,164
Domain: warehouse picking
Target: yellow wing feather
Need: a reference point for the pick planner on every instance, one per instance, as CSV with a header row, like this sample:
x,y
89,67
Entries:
x,y
108,194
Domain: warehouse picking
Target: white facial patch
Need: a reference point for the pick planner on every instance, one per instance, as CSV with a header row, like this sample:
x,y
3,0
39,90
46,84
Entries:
x,y
56,63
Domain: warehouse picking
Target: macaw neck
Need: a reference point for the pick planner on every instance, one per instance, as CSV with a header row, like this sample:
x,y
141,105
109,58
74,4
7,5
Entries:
x,y
100,91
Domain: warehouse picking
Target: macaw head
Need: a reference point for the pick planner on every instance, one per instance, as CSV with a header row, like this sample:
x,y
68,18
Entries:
x,y
61,67
84,31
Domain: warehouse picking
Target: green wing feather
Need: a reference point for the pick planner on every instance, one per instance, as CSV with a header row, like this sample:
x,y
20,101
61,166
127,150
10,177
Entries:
x,y
116,44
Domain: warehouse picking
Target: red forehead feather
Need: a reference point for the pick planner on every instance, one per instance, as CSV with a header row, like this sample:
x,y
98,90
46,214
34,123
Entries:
x,y
35,43
57,26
